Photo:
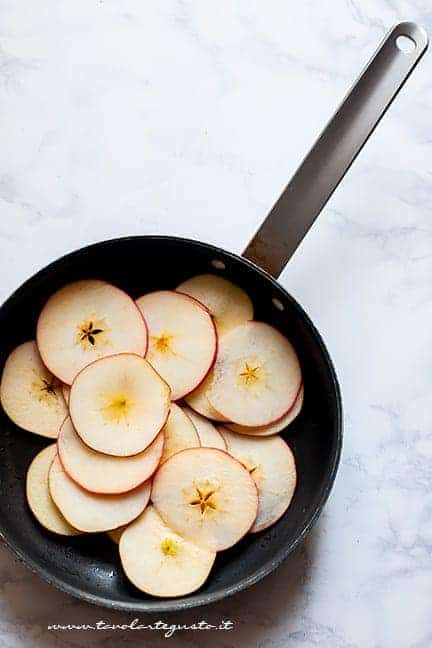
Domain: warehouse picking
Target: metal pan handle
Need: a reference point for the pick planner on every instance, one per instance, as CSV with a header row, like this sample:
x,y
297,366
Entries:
x,y
339,144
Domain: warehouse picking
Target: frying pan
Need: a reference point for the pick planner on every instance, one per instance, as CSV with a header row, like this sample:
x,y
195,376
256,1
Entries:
x,y
88,567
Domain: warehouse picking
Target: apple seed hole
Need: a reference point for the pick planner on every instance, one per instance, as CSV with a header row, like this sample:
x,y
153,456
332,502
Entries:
x,y
162,342
88,332
204,499
169,547
45,389
250,374
117,408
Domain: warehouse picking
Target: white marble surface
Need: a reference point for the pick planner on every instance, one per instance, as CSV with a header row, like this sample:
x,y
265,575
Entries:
x,y
125,117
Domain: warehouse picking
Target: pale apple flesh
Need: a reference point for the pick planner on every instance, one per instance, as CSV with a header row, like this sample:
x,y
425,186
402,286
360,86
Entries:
x,y
30,395
91,512
271,464
182,339
227,302
273,428
208,434
87,320
38,495
119,404
159,561
199,402
179,433
257,375
207,496
103,473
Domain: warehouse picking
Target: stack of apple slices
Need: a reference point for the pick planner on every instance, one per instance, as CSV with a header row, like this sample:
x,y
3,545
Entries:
x,y
166,413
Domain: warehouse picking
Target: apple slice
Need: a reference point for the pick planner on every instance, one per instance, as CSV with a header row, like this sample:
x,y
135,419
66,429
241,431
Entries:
x,y
160,562
179,433
257,375
66,393
273,428
272,467
91,512
87,320
206,495
208,434
103,473
38,495
199,402
183,341
119,404
30,395
228,303
116,534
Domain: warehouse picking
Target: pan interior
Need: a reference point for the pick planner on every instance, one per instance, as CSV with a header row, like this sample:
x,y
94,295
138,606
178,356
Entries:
x,y
89,567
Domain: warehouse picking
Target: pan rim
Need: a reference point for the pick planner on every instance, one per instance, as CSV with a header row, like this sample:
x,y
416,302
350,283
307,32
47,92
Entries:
x,y
195,600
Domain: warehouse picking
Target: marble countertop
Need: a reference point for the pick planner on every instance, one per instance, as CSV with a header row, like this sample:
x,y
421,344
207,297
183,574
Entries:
x,y
188,117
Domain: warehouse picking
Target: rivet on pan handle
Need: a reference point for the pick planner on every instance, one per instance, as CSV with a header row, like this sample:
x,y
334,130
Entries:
x,y
333,153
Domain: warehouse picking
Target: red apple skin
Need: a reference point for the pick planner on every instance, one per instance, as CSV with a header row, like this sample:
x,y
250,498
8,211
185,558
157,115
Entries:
x,y
204,307
129,491
263,527
270,422
292,404
162,466
197,301
28,505
216,338
211,423
98,360
213,360
146,346
160,596
100,492
135,453
163,447
273,422
146,328
147,339
120,492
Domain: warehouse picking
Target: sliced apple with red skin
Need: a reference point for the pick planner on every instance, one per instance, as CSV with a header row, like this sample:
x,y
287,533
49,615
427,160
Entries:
x,y
91,512
271,464
30,395
273,428
199,402
116,534
87,320
207,496
103,473
160,562
119,404
38,495
182,339
179,433
257,375
208,434
228,303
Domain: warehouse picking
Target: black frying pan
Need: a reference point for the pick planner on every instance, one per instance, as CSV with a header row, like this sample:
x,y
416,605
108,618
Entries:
x,y
88,567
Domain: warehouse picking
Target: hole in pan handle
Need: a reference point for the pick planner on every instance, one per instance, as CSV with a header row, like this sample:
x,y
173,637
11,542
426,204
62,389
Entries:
x,y
338,145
